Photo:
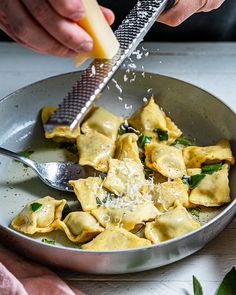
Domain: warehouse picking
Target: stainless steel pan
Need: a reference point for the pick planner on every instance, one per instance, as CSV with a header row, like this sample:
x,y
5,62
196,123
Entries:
x,y
196,112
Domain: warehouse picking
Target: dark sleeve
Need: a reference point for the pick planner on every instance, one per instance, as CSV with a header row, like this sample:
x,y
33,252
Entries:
x,y
217,25
4,37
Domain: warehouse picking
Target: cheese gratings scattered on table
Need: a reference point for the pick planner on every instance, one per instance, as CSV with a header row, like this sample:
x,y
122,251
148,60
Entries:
x,y
153,185
105,44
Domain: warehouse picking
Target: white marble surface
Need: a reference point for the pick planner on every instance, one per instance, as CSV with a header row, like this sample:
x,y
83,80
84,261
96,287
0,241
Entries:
x,y
210,66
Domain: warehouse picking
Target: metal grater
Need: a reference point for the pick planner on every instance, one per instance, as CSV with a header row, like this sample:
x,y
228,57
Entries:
x,y
130,33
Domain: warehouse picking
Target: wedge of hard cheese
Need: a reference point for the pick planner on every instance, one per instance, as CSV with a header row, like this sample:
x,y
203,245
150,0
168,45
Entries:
x,y
105,44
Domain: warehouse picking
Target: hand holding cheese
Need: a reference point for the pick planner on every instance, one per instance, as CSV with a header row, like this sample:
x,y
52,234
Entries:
x,y
105,44
48,26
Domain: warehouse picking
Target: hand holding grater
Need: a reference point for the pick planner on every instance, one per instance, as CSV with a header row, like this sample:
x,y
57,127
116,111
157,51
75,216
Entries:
x,y
79,100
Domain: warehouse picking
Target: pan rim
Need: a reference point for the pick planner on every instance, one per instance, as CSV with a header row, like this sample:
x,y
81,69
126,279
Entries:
x,y
121,70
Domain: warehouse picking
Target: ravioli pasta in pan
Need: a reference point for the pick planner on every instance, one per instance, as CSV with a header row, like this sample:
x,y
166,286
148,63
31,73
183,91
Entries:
x,y
152,181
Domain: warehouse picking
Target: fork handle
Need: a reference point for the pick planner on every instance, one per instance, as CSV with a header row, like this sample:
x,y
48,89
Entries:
x,y
17,157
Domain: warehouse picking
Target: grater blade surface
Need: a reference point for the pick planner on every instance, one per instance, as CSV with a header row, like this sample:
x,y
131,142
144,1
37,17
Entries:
x,y
80,98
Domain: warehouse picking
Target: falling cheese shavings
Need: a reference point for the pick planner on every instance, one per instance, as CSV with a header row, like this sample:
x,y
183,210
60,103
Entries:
x,y
138,54
132,66
132,80
130,73
125,78
128,107
117,85
93,71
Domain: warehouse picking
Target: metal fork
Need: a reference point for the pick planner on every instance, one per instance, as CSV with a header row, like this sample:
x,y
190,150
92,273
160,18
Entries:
x,y
54,174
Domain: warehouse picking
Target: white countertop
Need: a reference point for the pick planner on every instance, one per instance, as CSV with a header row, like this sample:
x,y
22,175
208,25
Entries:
x,y
210,66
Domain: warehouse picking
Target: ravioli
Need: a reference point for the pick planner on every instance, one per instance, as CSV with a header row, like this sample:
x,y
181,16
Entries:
x,y
115,238
147,118
167,160
39,216
165,195
173,131
133,204
213,190
195,156
158,178
59,133
124,177
88,191
127,147
127,217
151,117
172,224
102,122
95,150
80,227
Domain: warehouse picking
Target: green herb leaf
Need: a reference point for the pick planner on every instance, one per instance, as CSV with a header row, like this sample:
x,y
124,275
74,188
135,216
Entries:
x,y
195,179
195,212
142,158
183,141
192,181
35,206
228,285
70,147
98,201
143,139
122,129
66,211
108,198
26,154
51,242
197,288
162,134
209,169
185,179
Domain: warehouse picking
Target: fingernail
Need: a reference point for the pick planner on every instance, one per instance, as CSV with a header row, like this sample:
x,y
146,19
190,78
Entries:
x,y
77,15
86,46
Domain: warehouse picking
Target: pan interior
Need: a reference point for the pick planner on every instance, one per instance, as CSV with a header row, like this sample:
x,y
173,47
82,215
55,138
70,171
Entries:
x,y
197,113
